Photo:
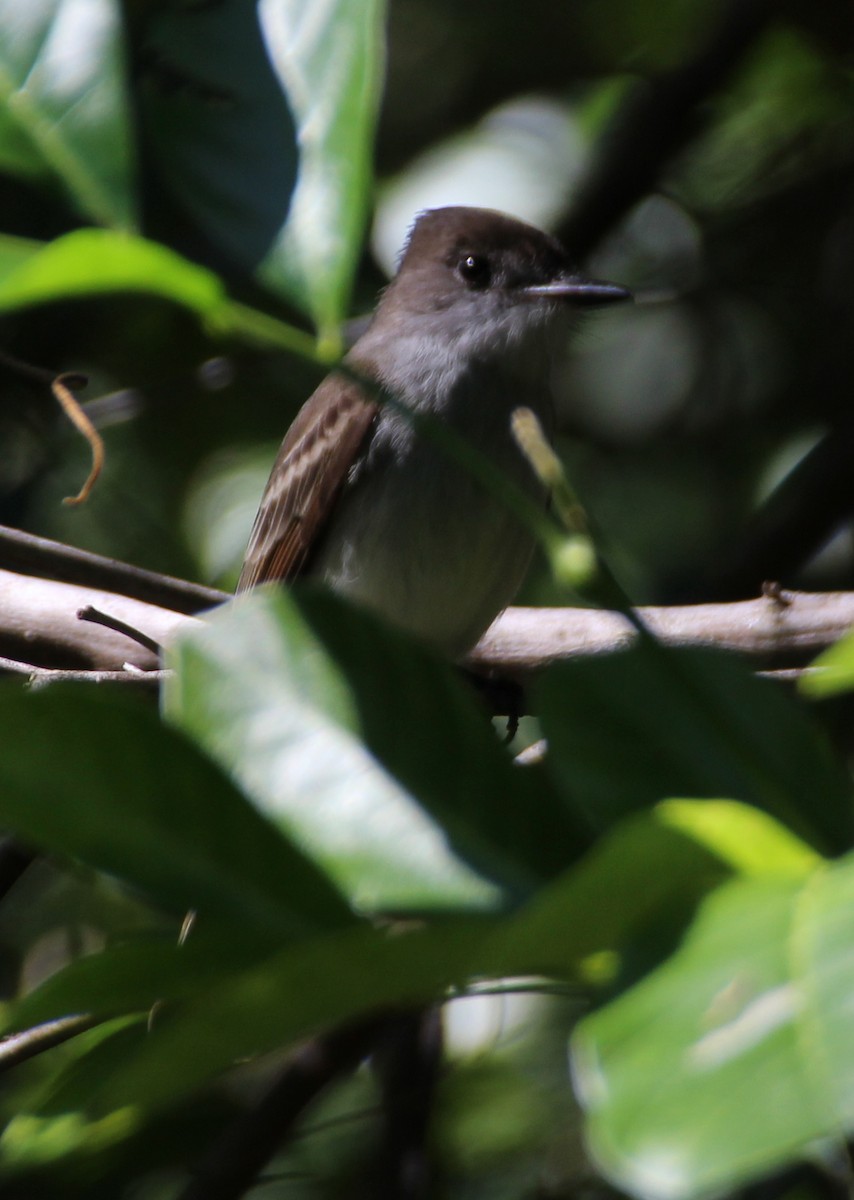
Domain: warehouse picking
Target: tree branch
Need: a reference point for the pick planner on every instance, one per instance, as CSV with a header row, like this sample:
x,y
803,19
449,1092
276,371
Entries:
x,y
658,119
772,632
18,1047
236,1159
39,628
407,1062
31,555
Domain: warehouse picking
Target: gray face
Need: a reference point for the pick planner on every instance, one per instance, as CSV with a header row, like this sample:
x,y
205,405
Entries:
x,y
464,274
481,284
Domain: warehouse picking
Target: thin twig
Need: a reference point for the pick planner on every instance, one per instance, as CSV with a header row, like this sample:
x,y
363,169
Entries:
x,y
148,679
31,555
90,613
40,676
18,1047
789,674
25,369
61,388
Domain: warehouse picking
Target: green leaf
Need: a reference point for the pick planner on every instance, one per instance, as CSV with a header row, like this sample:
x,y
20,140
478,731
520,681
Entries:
x,y
227,92
15,251
330,59
747,838
332,722
97,261
137,800
131,977
63,109
735,1056
218,130
639,871
33,1141
233,1004
302,990
644,867
503,819
93,262
832,672
633,728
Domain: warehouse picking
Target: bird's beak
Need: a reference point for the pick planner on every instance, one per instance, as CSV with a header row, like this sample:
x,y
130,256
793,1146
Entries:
x,y
587,292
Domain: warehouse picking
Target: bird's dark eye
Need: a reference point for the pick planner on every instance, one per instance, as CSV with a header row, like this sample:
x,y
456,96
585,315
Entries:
x,y
475,270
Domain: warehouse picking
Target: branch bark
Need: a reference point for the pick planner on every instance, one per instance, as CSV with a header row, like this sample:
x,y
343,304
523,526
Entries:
x,y
31,555
18,1047
39,627
232,1166
772,632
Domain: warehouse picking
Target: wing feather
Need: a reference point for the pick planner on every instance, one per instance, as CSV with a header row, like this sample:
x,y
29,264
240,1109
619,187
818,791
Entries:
x,y
311,467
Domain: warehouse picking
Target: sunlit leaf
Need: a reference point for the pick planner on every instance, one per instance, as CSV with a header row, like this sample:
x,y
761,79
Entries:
x,y
94,262
832,673
735,1056
743,836
287,713
330,57
63,108
14,252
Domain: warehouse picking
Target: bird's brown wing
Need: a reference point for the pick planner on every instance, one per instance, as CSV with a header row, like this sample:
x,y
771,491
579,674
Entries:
x,y
312,465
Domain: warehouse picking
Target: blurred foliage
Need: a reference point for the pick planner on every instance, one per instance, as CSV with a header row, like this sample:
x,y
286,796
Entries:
x,y
185,187
284,891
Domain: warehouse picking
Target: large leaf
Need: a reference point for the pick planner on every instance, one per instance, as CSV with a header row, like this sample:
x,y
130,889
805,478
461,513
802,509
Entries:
x,y
629,729
63,109
493,812
131,976
136,799
91,262
330,57
241,103
368,751
651,868
736,1055
96,262
651,862
15,251
231,1009
217,130
304,989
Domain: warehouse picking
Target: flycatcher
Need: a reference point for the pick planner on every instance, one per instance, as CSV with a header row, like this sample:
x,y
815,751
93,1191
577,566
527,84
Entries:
x,y
468,330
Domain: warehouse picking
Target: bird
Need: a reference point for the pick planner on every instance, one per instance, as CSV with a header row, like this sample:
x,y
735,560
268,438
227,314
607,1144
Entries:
x,y
469,329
